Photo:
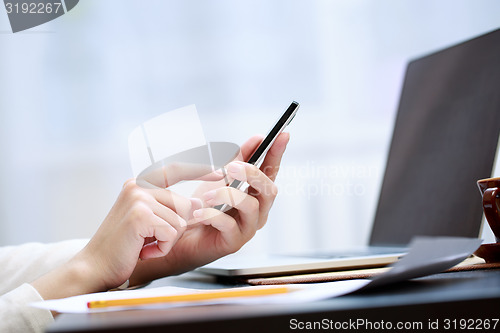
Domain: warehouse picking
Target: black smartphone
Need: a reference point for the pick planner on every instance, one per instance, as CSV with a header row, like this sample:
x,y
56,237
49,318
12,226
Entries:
x,y
268,141
259,154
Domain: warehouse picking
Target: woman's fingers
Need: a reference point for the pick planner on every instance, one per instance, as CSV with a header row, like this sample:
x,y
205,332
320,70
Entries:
x,y
169,216
174,201
235,232
222,222
165,234
247,205
253,209
253,176
163,176
261,186
158,216
232,237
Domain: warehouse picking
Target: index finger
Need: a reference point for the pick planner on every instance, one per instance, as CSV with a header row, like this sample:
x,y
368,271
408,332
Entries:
x,y
163,176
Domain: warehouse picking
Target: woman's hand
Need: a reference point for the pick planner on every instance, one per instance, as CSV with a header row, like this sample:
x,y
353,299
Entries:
x,y
142,224
146,236
212,234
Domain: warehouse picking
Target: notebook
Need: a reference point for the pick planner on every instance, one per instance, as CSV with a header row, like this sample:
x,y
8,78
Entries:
x,y
445,138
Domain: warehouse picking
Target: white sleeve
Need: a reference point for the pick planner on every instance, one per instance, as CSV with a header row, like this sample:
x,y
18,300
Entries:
x,y
20,265
25,263
16,315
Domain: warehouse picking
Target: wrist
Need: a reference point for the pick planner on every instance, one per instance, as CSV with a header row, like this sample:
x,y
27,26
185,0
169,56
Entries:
x,y
76,277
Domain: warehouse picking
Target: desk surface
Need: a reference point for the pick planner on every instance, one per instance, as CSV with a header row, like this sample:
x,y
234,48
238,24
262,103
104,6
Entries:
x,y
448,300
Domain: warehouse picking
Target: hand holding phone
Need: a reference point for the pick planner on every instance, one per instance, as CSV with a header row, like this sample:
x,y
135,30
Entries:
x,y
261,151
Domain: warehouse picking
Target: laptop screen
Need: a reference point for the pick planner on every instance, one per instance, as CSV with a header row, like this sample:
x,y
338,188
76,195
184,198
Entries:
x,y
445,139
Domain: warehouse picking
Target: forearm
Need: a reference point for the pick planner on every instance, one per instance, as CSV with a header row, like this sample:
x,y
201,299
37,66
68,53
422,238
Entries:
x,y
27,262
76,277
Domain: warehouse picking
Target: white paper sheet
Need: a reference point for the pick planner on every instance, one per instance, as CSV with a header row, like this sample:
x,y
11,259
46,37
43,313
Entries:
x,y
426,256
303,293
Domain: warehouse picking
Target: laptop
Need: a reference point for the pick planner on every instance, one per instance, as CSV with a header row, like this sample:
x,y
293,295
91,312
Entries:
x,y
445,138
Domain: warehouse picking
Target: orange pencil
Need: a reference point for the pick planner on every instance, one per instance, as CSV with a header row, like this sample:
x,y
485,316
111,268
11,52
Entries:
x,y
194,297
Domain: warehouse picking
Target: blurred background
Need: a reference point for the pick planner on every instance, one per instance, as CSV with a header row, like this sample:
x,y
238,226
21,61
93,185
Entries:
x,y
73,89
